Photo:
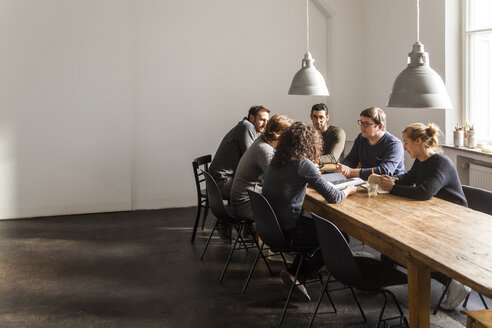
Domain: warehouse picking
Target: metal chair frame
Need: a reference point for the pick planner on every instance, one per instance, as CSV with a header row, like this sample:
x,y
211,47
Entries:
x,y
200,164
348,270
227,218
269,230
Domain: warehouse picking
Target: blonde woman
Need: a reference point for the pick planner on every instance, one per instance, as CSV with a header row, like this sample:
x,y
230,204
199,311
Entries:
x,y
432,174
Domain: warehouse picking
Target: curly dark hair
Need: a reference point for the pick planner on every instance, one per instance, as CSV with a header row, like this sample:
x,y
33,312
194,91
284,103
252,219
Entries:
x,y
299,141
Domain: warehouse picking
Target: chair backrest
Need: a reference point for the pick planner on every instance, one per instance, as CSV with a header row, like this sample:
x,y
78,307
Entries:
x,y
336,253
200,164
266,222
478,199
215,201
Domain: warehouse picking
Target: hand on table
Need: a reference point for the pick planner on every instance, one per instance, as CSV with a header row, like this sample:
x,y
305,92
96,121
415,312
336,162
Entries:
x,y
349,190
345,170
386,182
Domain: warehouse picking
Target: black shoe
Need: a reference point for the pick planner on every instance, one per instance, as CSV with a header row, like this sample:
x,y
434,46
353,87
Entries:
x,y
286,279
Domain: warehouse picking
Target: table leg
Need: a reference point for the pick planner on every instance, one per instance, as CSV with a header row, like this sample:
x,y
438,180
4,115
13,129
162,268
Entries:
x,y
418,295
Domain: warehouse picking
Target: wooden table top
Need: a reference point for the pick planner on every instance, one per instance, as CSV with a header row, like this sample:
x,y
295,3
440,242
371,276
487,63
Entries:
x,y
449,238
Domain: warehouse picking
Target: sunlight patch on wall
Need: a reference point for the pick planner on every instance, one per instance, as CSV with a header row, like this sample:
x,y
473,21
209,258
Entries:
x,y
8,174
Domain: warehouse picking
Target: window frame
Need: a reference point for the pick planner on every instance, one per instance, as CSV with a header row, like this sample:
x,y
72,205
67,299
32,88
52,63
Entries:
x,y
465,52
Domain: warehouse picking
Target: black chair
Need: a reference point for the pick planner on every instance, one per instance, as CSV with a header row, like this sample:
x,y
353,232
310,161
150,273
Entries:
x,y
269,230
225,216
363,273
200,164
478,200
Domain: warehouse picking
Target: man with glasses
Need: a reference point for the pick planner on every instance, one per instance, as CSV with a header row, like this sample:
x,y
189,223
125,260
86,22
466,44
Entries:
x,y
333,137
374,149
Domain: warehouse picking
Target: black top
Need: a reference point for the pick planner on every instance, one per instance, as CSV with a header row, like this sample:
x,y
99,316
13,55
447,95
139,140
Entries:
x,y
285,189
435,176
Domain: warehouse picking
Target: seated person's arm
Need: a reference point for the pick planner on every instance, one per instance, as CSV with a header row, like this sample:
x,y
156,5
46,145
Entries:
x,y
314,178
388,165
333,154
246,139
350,162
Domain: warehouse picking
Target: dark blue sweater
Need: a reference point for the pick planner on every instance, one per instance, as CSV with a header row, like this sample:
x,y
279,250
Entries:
x,y
435,176
385,157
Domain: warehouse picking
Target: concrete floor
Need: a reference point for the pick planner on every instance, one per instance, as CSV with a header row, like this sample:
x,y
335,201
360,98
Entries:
x,y
139,269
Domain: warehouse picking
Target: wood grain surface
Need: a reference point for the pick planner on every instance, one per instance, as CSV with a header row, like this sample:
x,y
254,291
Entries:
x,y
424,236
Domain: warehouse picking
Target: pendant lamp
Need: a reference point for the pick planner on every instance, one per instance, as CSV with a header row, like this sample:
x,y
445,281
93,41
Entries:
x,y
308,80
418,85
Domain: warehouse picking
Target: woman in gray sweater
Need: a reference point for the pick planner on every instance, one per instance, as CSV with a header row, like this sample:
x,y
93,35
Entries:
x,y
291,169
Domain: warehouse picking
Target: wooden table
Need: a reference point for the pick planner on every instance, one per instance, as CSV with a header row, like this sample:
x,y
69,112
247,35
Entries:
x,y
479,319
425,236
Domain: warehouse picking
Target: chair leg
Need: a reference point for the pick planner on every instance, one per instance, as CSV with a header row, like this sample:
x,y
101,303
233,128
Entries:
x,y
358,304
197,220
291,289
402,316
205,214
466,300
239,230
251,271
327,293
481,298
442,297
483,301
284,261
208,240
380,317
325,285
261,253
231,252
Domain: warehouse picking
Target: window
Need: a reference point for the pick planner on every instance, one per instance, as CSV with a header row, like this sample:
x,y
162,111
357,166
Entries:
x,y
478,66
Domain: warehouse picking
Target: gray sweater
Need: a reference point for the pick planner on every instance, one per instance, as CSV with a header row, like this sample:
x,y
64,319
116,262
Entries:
x,y
285,189
249,175
230,150
333,145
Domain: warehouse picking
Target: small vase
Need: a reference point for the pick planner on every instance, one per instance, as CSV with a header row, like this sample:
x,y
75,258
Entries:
x,y
472,141
458,138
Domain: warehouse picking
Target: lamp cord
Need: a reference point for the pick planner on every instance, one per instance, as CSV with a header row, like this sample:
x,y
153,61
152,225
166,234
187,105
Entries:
x,y
418,21
307,25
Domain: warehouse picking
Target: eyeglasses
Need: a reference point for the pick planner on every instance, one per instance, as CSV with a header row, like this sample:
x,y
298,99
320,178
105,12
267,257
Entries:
x,y
365,124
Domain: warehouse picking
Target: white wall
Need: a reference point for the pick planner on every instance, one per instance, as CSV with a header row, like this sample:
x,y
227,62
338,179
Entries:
x,y
65,106
104,103
389,31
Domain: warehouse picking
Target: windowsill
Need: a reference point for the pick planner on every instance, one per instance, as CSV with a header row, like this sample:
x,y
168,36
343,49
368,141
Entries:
x,y
465,150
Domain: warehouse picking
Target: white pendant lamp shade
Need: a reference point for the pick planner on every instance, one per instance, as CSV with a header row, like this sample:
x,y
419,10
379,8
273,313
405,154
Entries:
x,y
418,85
308,80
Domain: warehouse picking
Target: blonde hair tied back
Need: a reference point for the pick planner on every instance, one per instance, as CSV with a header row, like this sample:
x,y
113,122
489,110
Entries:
x,y
427,133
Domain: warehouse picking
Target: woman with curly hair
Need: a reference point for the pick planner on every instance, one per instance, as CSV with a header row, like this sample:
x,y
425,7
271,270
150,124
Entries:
x,y
291,169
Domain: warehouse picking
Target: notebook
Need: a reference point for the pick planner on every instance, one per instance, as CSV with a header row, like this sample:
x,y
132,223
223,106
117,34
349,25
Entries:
x,y
339,181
